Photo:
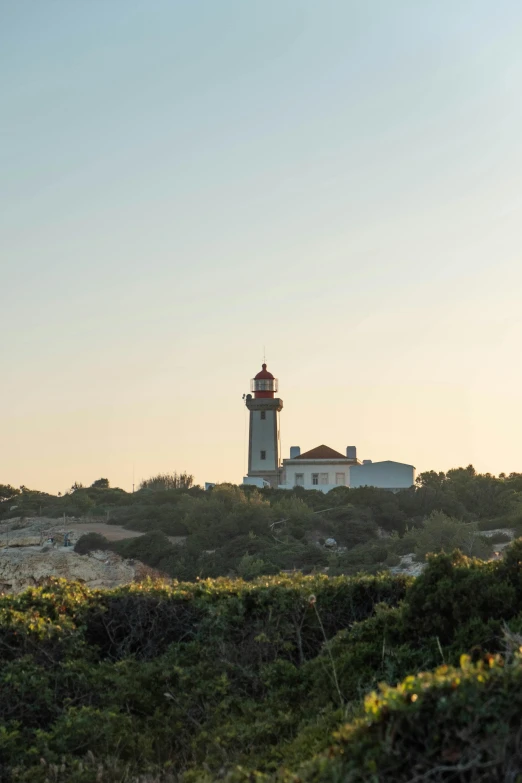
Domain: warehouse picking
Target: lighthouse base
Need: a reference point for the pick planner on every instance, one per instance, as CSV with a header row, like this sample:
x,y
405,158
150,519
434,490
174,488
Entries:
x,y
265,478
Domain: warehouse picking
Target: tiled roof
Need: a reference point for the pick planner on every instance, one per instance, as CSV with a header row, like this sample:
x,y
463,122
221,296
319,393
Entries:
x,y
322,452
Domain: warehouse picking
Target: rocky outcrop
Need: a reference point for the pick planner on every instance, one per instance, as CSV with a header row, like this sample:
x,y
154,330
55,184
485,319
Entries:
x,y
32,551
34,532
29,566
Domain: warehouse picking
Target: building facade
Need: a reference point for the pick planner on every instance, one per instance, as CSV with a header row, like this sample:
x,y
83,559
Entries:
x,y
385,475
321,468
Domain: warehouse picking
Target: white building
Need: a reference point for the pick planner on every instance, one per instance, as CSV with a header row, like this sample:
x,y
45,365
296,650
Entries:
x,y
320,468
386,475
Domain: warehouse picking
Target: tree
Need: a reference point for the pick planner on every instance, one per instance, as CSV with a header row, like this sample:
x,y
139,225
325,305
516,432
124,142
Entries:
x,y
249,567
431,478
440,533
7,492
163,481
101,483
80,502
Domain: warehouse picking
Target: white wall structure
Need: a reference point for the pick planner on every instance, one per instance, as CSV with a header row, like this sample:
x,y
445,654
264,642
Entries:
x,y
264,440
252,481
321,468
384,475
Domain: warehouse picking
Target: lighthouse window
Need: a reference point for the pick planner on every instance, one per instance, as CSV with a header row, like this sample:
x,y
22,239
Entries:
x,y
263,414
323,478
299,479
263,455
315,478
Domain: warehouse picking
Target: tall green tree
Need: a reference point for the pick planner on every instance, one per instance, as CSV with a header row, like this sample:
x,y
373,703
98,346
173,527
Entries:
x,y
7,492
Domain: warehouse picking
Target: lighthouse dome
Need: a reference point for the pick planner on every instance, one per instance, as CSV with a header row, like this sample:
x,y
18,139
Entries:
x,y
263,384
263,374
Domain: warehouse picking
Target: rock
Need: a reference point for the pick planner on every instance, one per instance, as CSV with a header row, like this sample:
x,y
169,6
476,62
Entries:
x,y
330,542
20,538
29,558
26,567
408,566
33,533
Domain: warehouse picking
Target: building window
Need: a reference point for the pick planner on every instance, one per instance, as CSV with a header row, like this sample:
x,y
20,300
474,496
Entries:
x,y
263,455
299,480
340,478
323,478
315,478
263,414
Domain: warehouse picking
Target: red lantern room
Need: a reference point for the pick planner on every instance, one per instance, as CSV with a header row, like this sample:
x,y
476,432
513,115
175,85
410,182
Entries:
x,y
264,384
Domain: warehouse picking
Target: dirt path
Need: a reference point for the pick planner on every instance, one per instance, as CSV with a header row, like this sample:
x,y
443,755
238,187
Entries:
x,y
112,532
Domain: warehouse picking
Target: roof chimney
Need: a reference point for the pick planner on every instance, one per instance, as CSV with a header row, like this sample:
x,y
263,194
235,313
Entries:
x,y
351,452
367,462
295,451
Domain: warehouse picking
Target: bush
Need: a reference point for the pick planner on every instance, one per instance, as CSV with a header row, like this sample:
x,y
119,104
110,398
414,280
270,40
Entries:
x,y
364,556
151,548
405,544
440,533
197,678
250,567
499,538
114,672
453,724
193,679
90,542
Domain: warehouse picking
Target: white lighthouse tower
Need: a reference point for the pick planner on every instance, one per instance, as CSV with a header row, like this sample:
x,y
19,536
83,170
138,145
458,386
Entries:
x,y
264,448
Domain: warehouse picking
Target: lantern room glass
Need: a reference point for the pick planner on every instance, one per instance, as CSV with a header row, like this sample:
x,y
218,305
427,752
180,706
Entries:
x,y
263,384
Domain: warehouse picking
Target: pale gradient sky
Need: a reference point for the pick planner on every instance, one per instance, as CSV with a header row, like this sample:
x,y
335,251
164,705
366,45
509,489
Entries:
x,y
182,183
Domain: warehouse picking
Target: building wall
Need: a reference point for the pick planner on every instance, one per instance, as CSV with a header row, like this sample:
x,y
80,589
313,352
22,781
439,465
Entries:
x,y
264,437
321,467
385,475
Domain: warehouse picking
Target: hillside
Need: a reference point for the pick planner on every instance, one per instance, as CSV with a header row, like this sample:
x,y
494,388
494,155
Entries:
x,y
240,531
216,679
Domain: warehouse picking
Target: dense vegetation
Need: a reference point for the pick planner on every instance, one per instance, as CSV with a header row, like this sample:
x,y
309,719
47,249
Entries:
x,y
270,676
218,678
246,532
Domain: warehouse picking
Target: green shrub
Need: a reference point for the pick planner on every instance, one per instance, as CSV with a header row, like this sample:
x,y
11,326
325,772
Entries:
x,y
405,544
453,724
499,538
363,557
440,533
151,548
90,542
194,679
250,567
494,524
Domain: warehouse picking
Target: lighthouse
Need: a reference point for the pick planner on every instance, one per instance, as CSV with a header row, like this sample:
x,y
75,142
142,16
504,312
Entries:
x,y
264,447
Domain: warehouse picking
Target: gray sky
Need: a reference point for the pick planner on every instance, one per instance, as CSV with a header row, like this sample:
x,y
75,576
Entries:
x,y
183,183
